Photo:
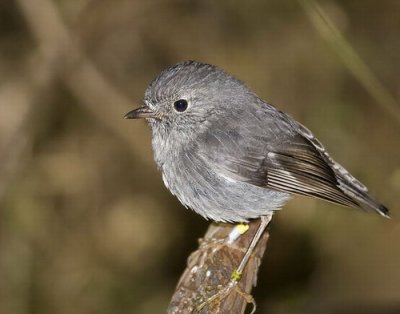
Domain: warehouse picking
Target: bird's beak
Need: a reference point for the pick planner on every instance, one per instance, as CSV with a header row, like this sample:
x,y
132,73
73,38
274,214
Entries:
x,y
141,112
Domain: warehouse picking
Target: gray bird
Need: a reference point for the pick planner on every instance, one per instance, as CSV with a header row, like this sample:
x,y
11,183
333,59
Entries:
x,y
230,156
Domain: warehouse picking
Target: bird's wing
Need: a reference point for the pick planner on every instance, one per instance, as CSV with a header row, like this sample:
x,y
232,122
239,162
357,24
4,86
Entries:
x,y
299,168
348,184
278,159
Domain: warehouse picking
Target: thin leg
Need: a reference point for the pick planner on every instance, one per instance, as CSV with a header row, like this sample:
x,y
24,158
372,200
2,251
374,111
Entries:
x,y
265,220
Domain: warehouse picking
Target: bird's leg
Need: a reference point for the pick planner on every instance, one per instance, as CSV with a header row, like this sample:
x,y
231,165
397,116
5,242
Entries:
x,y
237,273
236,232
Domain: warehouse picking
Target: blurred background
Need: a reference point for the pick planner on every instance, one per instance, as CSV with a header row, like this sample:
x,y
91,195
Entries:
x,y
86,225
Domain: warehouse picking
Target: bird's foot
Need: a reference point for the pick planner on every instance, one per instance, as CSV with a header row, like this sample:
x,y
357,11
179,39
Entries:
x,y
205,245
224,291
217,244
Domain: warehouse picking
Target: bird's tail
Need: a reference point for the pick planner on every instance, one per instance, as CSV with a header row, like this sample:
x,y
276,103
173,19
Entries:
x,y
357,191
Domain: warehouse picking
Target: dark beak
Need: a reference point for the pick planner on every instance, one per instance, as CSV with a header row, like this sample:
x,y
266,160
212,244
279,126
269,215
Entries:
x,y
141,112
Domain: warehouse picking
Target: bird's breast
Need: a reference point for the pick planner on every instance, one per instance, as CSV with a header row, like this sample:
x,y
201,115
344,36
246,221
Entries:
x,y
198,185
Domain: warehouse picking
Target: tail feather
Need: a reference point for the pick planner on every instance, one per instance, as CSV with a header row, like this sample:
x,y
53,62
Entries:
x,y
365,201
348,184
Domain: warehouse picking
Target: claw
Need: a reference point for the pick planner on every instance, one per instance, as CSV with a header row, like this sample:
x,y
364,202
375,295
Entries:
x,y
224,292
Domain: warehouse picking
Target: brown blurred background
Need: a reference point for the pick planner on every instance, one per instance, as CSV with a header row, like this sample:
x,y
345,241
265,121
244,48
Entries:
x,y
86,225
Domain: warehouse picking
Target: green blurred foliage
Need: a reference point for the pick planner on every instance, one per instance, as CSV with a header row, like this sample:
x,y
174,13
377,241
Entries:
x,y
86,225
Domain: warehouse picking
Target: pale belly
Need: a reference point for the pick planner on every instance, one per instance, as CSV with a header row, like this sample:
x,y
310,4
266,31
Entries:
x,y
218,197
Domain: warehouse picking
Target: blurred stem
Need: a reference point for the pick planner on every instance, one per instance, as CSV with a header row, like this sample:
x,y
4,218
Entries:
x,y
351,59
60,51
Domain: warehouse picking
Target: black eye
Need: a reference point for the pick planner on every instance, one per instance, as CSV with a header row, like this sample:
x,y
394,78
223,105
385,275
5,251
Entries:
x,y
180,105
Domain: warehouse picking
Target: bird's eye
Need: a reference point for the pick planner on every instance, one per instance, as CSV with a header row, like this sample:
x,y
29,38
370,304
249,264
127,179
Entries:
x,y
180,105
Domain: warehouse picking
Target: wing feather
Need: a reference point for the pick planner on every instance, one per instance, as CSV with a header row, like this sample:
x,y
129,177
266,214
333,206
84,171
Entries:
x,y
283,156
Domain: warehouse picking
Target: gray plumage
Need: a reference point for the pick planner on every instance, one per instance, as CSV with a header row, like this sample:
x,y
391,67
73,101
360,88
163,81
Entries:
x,y
230,156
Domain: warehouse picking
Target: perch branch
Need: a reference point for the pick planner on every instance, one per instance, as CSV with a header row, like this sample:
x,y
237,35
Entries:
x,y
209,268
